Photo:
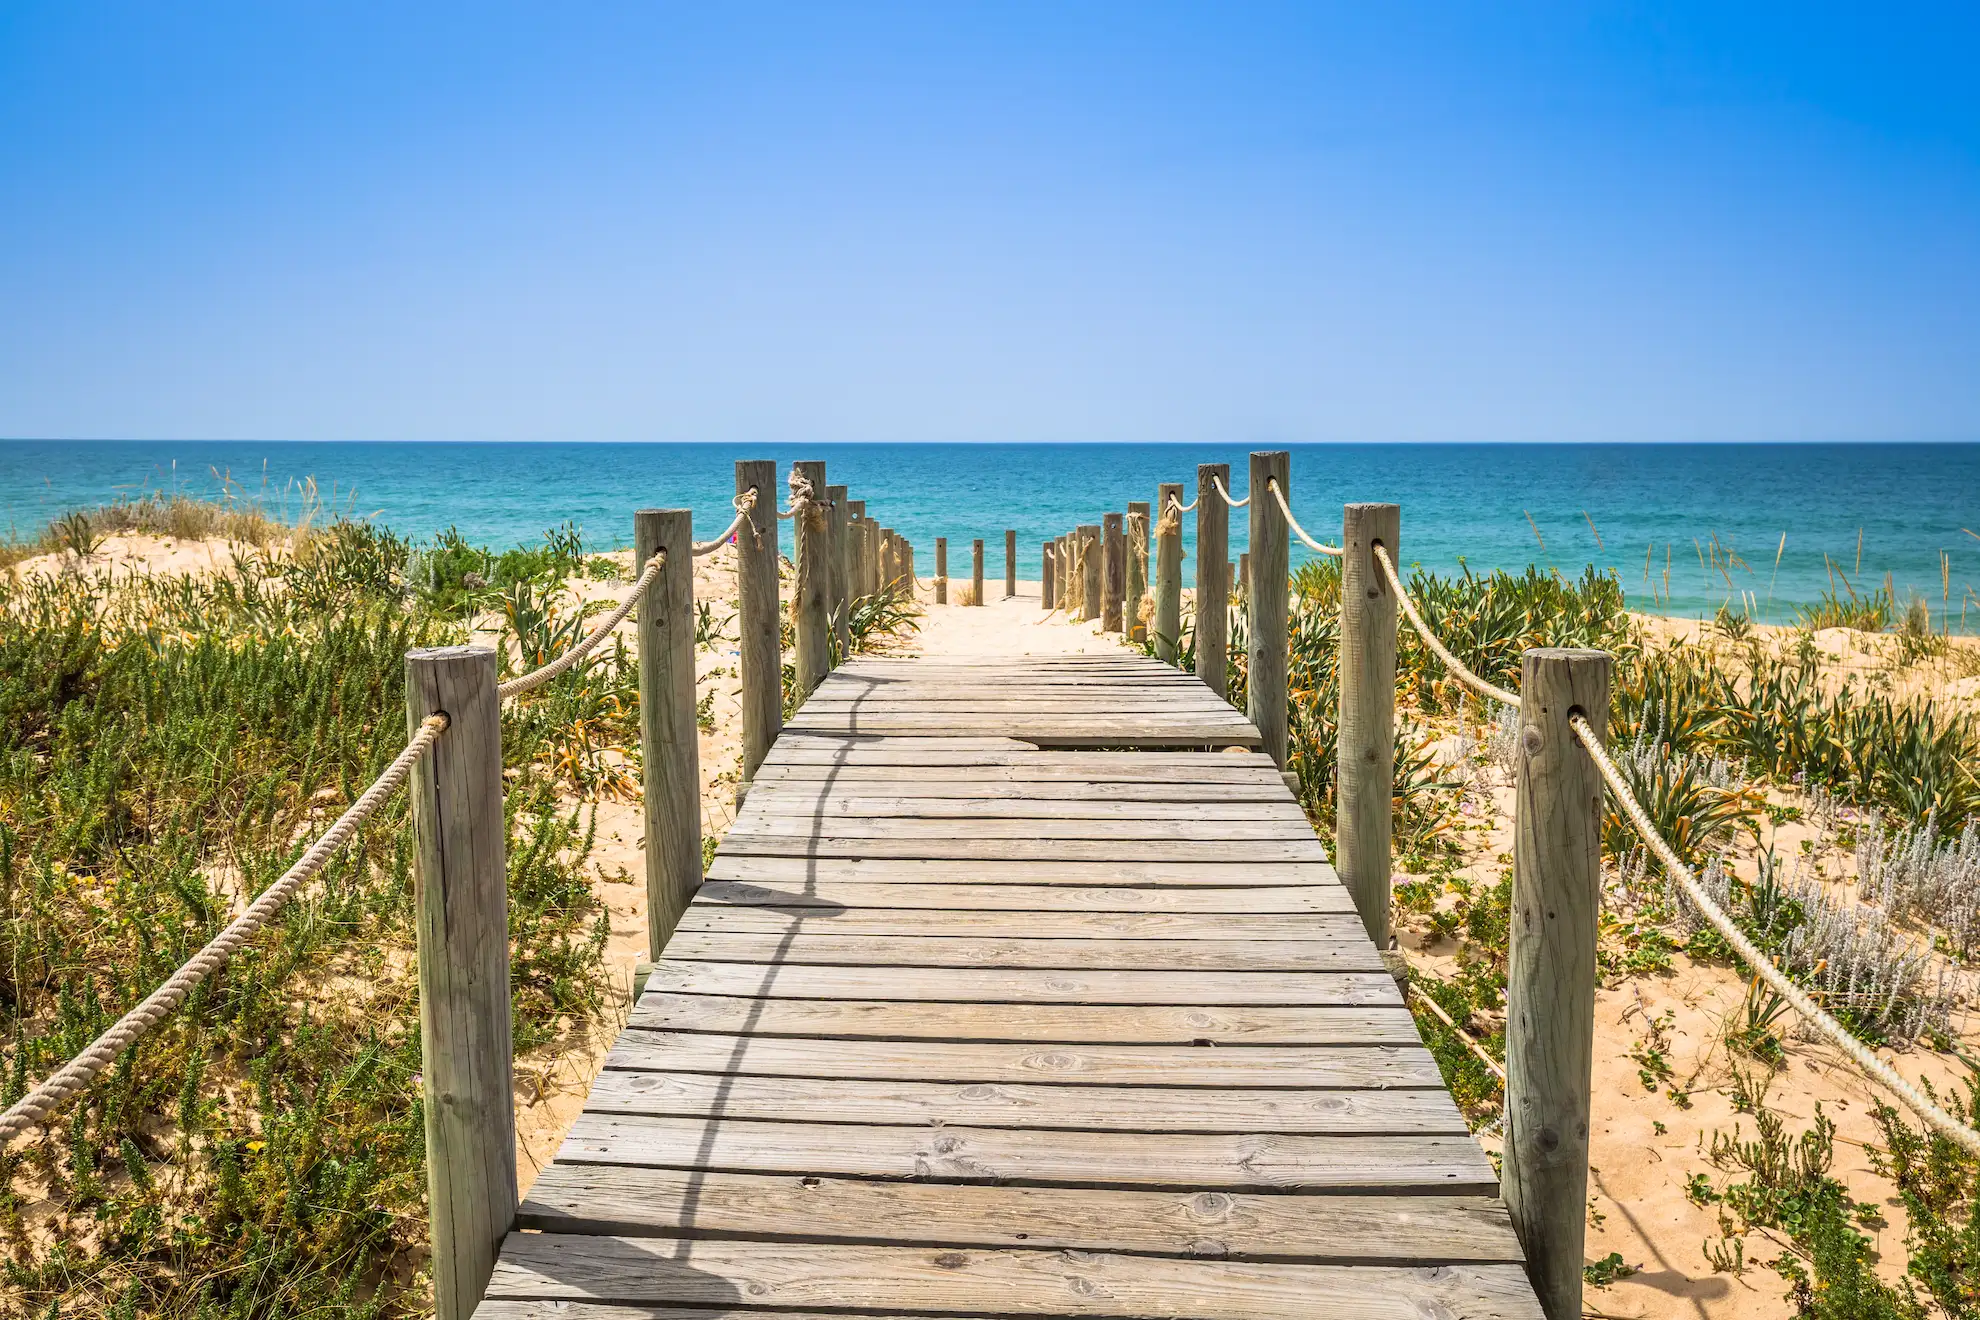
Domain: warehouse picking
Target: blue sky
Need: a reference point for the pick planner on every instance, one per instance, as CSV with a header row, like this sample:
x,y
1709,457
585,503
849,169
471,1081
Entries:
x,y
1076,221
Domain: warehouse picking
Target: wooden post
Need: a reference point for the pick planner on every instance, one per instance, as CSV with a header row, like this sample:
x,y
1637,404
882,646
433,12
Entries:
x,y
1213,582
757,619
1241,580
941,570
1113,572
811,534
1068,571
669,740
856,549
976,571
1365,744
908,583
1265,604
462,902
1137,570
1168,572
1046,600
1550,981
1010,564
839,600
1092,589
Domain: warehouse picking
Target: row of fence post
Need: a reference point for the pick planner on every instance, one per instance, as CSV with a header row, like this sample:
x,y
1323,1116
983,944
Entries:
x,y
1556,897
460,836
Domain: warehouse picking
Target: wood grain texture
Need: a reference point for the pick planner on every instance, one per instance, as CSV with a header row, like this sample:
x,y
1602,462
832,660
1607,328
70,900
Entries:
x,y
1213,584
811,601
461,902
1550,978
669,738
757,608
716,919
1365,743
961,897
804,947
1265,603
1168,572
1050,1283
1412,1230
795,872
1025,986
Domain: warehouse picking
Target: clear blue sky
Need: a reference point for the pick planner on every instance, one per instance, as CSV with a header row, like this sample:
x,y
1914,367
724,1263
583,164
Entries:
x,y
1071,221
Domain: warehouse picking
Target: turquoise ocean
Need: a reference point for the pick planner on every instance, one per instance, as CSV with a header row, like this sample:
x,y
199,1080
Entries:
x,y
1686,528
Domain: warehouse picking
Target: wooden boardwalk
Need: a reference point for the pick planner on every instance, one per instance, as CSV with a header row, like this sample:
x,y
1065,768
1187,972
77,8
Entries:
x,y
967,1021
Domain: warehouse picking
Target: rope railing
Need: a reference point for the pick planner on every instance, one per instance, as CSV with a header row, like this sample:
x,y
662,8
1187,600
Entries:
x,y
35,1107
1218,482
536,678
1457,667
1293,523
1674,866
1750,953
743,504
1180,507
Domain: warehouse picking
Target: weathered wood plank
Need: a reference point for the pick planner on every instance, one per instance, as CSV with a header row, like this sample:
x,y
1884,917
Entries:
x,y
715,918
882,781
1044,1283
1223,1161
960,896
1024,986
1016,1104
831,806
913,951
796,870
764,824
1346,1067
1412,1230
1032,849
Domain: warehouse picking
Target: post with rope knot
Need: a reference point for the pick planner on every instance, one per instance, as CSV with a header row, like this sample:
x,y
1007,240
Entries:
x,y
812,534
1137,571
758,615
976,571
1213,581
941,570
1265,607
1168,571
1365,741
1047,554
839,601
1113,571
669,739
1550,979
465,1031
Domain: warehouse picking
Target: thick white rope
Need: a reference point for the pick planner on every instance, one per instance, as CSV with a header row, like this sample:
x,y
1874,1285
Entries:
x,y
1451,662
1180,507
79,1072
536,678
1218,482
1272,484
1470,1042
1751,955
744,503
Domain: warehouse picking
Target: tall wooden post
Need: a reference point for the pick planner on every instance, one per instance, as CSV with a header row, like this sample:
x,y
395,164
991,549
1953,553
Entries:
x,y
1113,573
1550,980
1168,571
812,534
669,740
1265,604
462,901
1067,558
757,619
1213,583
941,570
976,571
1092,564
908,583
1010,563
838,599
856,549
1241,590
1137,570
1047,566
1366,742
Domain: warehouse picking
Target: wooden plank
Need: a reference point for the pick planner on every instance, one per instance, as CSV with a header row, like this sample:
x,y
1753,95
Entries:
x,y
1018,1105
792,1276
795,871
716,918
1118,767
1177,1024
898,828
1344,1067
967,897
915,951
1022,986
1040,850
1194,1160
1410,1230
831,803
881,781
